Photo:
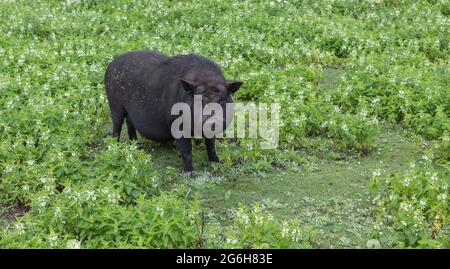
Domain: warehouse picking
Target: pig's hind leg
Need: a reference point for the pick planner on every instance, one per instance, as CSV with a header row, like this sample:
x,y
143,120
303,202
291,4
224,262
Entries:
x,y
131,130
185,147
117,119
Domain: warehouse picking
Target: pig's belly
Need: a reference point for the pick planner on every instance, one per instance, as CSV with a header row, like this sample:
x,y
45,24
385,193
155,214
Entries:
x,y
156,135
152,128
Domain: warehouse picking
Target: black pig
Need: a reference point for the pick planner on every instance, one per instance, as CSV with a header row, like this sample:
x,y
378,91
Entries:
x,y
143,86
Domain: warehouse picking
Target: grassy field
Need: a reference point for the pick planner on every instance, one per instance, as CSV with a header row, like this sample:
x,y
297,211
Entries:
x,y
329,196
364,141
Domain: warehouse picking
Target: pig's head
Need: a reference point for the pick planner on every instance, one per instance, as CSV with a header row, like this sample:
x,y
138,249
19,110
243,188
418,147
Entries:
x,y
215,93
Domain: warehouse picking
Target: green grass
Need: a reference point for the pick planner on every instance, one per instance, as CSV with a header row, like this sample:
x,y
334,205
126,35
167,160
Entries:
x,y
359,83
328,194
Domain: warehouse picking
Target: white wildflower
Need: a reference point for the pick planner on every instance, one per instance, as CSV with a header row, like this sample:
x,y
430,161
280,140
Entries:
x,y
376,173
20,228
160,211
345,128
73,244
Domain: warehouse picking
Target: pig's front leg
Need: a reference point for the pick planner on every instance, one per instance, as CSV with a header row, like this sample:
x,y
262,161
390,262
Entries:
x,y
211,149
185,147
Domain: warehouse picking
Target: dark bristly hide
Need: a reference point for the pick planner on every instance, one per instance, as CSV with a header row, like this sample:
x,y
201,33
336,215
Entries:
x,y
143,86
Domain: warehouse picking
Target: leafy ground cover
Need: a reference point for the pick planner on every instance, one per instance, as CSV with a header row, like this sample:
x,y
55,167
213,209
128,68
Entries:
x,y
364,141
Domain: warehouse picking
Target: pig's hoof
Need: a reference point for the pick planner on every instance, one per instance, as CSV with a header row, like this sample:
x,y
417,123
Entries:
x,y
214,159
189,173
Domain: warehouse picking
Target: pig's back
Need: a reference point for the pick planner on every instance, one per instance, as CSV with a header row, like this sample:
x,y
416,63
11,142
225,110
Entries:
x,y
132,86
129,72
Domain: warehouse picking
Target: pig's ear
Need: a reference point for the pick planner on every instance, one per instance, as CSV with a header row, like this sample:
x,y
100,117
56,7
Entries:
x,y
234,85
187,85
